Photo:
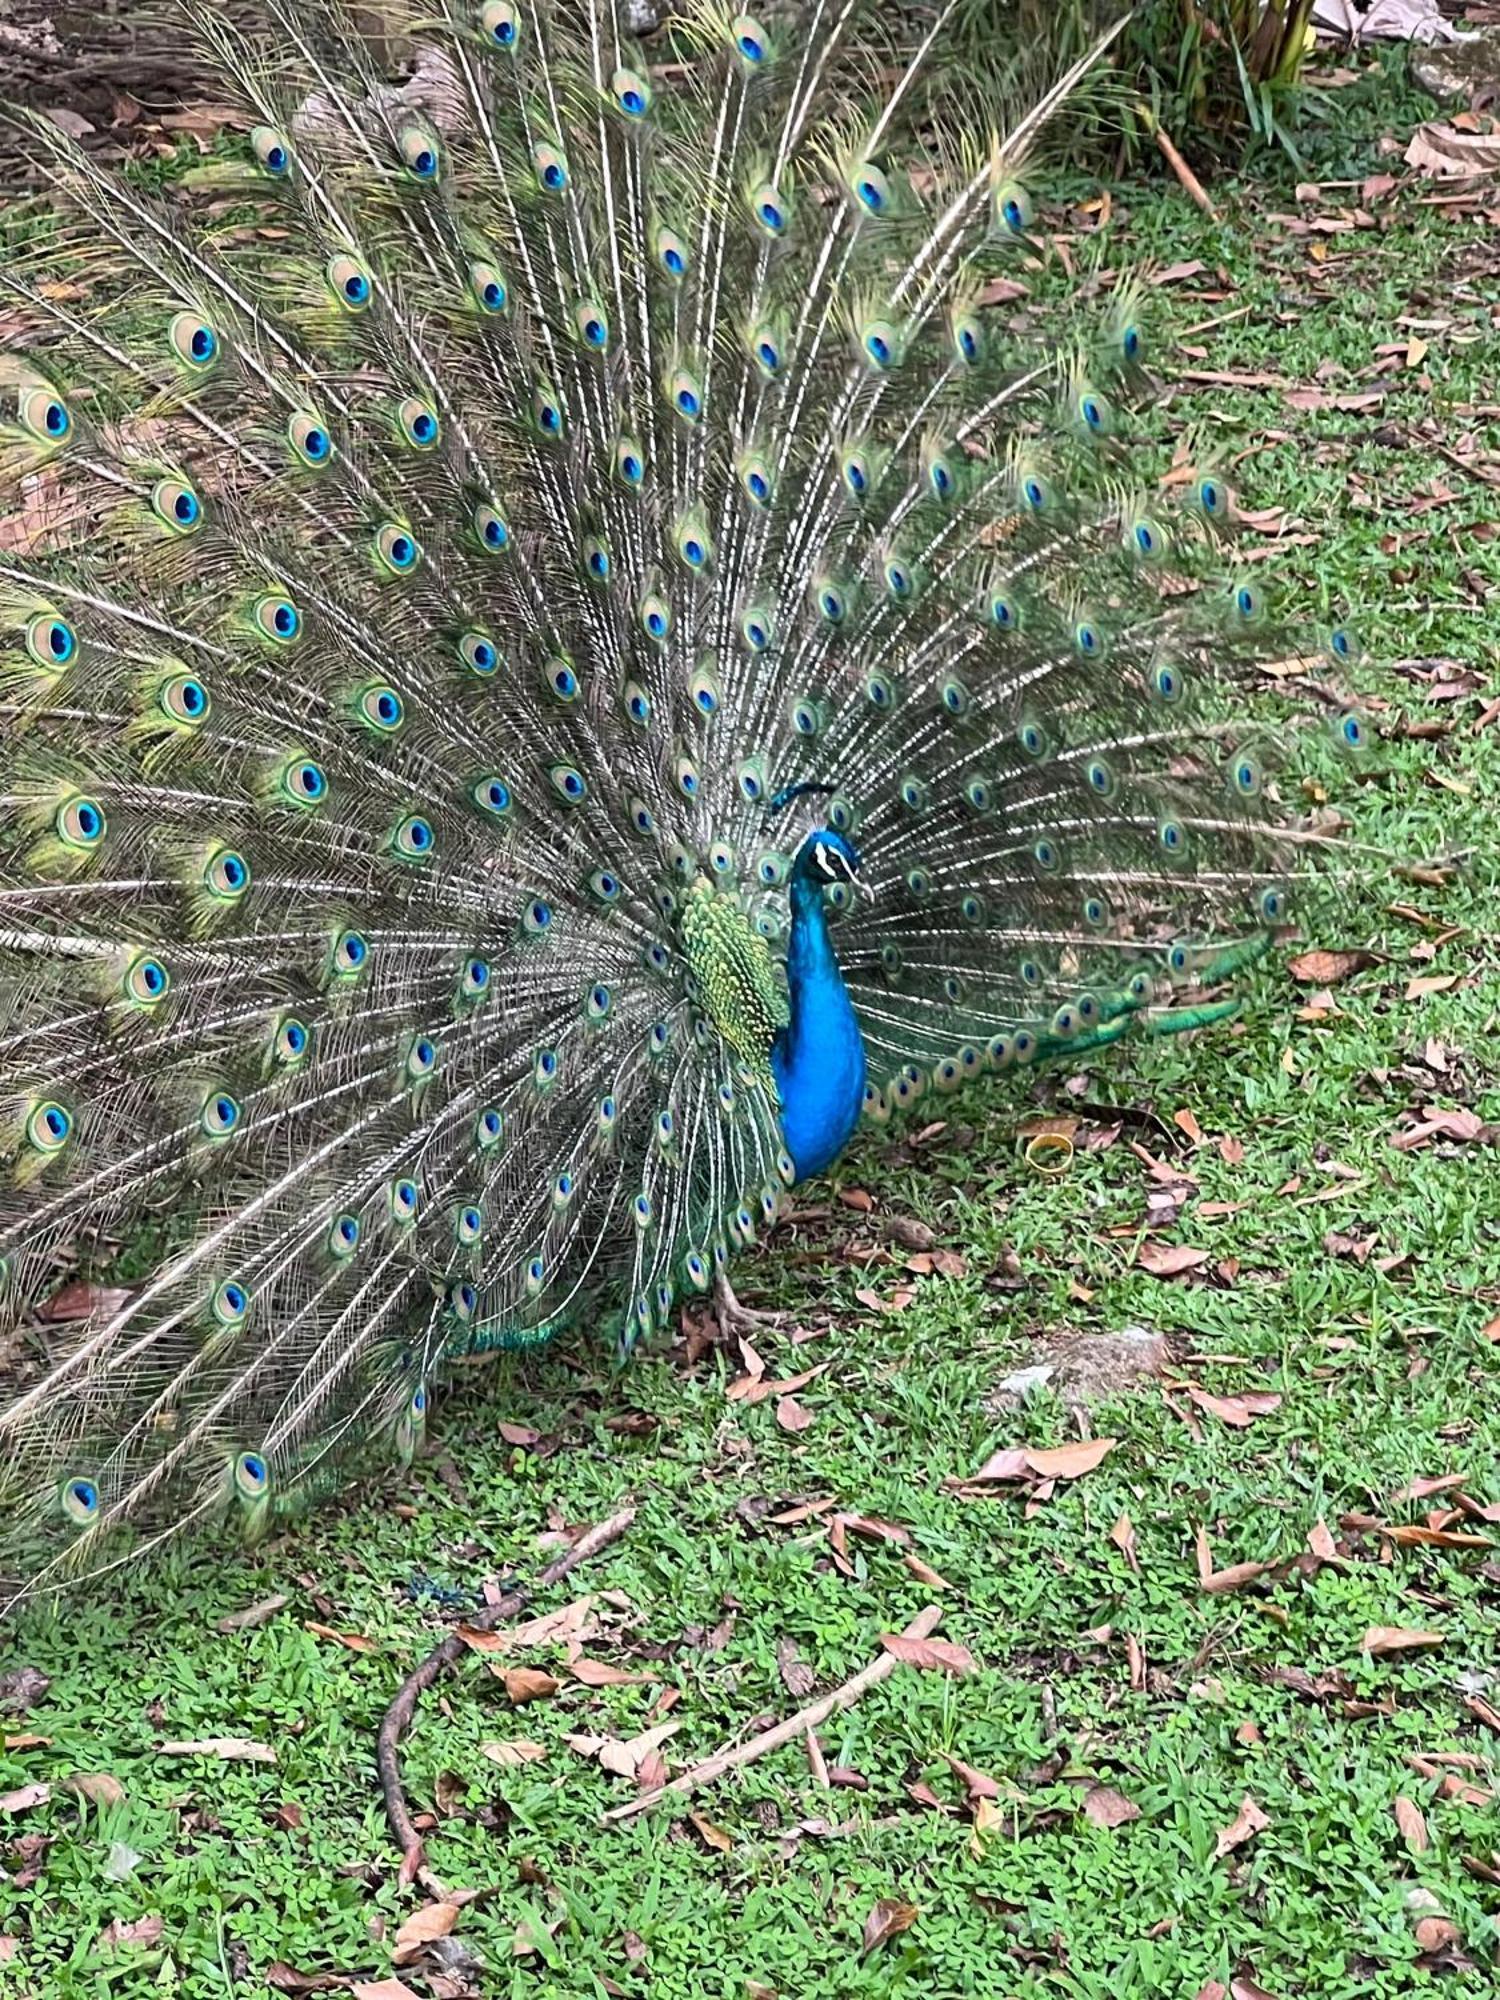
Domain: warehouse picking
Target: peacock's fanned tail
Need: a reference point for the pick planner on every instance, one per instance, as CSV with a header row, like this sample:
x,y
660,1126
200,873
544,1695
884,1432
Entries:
x,y
433,548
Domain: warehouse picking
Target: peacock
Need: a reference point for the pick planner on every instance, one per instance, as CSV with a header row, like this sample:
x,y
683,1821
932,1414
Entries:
x,y
557,652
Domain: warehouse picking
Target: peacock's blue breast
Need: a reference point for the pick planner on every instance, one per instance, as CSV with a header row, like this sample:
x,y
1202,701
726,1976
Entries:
x,y
820,1073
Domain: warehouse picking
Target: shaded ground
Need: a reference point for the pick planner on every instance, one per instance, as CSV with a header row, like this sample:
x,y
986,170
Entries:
x,y
1333,1352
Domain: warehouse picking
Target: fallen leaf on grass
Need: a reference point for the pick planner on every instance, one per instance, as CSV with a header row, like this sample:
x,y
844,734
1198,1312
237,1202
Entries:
x,y
625,1759
1413,1826
797,1677
519,1434
227,1748
791,1415
1109,1808
1460,1126
355,1641
599,1674
1218,1581
978,1784
1320,1543
1169,1260
1122,1534
1238,1410
1327,968
144,1930
100,1786
1437,1538
1070,1461
888,1919
1443,150
1383,1639
284,1978
925,1573
24,1798
524,1684
711,1835
1247,1822
253,1615
433,1920
932,1655
511,1755
569,1624
381,1989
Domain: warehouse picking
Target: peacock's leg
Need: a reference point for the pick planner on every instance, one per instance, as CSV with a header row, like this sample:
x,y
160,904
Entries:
x,y
735,1318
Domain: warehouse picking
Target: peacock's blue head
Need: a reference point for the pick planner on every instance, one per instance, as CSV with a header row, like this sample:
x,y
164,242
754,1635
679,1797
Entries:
x,y
827,856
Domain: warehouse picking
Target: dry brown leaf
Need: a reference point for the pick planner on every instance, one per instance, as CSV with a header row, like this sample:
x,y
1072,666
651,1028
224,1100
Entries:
x,y
569,1624
1070,1461
284,1978
433,1920
651,1772
1238,1410
1247,1822
978,1784
932,1655
1169,1260
791,1415
711,1835
227,1748
1437,1538
513,1754
1383,1639
24,1798
624,1759
797,1677
1220,1581
1413,1826
523,1684
1436,1933
1109,1808
1007,1464
253,1615
925,1573
355,1641
1443,151
100,1786
79,1299
1320,1543
144,1930
599,1674
888,1919
381,1989
519,1434
1327,968
1122,1534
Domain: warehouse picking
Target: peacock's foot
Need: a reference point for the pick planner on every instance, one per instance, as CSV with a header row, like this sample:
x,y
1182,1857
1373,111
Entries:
x,y
736,1319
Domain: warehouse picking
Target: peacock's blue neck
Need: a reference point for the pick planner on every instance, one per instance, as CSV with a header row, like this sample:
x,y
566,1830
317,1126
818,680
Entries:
x,y
818,1058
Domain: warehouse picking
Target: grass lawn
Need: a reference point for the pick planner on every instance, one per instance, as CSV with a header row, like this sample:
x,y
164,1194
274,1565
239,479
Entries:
x,y
1337,1345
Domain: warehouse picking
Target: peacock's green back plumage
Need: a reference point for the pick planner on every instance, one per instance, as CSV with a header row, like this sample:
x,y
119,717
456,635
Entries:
x,y
453,557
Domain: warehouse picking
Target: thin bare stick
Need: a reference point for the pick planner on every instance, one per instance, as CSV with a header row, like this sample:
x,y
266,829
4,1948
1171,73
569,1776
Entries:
x,y
1185,174
802,1724
417,1682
